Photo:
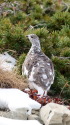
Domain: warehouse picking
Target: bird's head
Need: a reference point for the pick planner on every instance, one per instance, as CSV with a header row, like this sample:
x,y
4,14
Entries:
x,y
34,39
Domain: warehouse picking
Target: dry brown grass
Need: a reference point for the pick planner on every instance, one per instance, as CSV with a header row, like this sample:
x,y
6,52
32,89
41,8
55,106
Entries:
x,y
12,80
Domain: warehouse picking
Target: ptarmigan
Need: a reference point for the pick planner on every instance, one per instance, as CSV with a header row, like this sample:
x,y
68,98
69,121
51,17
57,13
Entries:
x,y
38,67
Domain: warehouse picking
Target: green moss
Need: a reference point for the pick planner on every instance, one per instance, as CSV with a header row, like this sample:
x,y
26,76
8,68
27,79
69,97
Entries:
x,y
58,20
65,52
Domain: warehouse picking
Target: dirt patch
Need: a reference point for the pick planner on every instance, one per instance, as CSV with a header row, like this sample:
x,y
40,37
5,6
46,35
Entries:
x,y
12,80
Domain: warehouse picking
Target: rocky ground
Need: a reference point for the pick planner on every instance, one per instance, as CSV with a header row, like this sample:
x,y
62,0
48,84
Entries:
x,y
50,114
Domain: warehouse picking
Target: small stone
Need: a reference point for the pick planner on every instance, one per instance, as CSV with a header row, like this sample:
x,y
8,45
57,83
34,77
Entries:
x,y
36,112
35,117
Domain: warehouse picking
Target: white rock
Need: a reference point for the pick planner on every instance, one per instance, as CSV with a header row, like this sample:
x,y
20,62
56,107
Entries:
x,y
55,114
6,121
7,62
15,100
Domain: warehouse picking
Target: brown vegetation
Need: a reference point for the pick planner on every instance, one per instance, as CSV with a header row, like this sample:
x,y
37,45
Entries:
x,y
12,80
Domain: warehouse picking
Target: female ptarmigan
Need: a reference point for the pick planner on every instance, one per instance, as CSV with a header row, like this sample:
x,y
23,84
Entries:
x,y
38,67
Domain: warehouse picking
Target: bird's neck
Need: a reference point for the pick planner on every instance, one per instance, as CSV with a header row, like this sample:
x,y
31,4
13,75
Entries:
x,y
35,48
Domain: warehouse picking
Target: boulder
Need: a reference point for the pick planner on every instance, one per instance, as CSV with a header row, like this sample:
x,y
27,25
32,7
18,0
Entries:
x,y
55,114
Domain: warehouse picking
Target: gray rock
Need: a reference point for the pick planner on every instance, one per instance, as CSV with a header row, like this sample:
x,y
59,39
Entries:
x,y
35,117
22,115
36,112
